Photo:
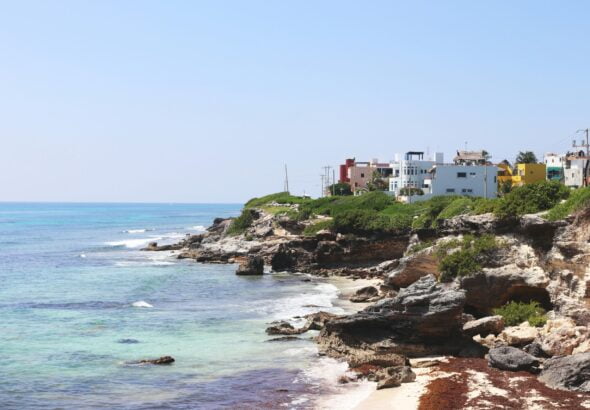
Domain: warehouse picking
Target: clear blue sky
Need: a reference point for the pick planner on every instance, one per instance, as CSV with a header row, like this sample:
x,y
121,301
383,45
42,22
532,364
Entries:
x,y
197,101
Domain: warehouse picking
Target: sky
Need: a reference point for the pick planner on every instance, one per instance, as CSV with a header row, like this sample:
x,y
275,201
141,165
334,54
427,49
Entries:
x,y
206,101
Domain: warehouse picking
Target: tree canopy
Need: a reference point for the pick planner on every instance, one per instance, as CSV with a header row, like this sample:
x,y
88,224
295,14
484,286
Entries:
x,y
526,157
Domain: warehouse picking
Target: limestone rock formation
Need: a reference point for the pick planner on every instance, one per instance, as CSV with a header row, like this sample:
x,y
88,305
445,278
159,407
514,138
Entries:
x,y
253,265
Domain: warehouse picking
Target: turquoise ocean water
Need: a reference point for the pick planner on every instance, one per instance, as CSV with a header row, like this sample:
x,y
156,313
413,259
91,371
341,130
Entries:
x,y
73,283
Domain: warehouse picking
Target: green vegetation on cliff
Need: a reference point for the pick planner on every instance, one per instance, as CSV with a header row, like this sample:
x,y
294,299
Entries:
x,y
578,200
465,257
514,313
376,212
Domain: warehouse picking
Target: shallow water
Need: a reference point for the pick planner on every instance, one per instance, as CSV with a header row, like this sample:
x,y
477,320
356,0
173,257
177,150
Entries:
x,y
79,301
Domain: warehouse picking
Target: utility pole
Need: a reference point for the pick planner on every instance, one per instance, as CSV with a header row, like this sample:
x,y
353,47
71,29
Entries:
x,y
286,185
326,178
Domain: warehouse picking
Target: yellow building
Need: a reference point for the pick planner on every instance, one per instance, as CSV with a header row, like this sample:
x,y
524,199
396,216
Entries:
x,y
522,174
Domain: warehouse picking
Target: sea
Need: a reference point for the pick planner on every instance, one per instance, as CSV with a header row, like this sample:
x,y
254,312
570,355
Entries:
x,y
81,304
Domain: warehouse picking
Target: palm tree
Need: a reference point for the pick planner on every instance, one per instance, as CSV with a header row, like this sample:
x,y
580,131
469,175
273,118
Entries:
x,y
526,157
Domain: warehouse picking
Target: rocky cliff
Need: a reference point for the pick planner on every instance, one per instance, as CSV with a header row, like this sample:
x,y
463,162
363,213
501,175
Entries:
x,y
419,311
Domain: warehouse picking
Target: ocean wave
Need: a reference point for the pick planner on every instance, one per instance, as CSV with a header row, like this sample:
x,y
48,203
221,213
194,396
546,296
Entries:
x,y
320,297
82,255
132,243
141,304
326,373
136,230
199,228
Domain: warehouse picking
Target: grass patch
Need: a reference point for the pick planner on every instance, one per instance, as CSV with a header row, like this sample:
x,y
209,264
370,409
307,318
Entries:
x,y
311,230
579,199
279,197
514,313
465,257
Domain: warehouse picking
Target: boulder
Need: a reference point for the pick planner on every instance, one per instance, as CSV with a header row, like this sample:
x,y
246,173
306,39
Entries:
x,y
535,349
394,376
160,360
317,321
567,372
493,287
284,328
513,359
253,265
519,335
366,294
411,268
423,319
484,326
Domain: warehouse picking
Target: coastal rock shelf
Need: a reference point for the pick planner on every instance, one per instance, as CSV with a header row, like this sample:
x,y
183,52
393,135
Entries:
x,y
416,311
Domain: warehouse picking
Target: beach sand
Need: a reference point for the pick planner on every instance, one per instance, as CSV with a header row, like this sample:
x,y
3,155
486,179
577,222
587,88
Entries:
x,y
404,397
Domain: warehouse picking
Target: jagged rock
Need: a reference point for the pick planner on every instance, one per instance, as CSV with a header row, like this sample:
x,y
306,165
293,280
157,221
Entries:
x,y
492,288
484,326
253,265
366,294
559,337
568,372
513,359
534,349
411,268
317,321
423,319
160,360
394,376
284,328
485,223
519,335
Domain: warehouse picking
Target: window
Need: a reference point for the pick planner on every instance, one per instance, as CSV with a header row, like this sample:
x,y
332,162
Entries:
x,y
461,174
362,175
450,190
495,180
472,174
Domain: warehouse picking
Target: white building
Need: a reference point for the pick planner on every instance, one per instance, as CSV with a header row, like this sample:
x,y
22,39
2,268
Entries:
x,y
413,171
468,180
573,171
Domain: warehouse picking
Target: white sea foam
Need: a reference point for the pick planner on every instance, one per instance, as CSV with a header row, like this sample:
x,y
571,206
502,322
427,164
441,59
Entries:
x,y
141,304
135,231
132,243
82,255
199,228
326,373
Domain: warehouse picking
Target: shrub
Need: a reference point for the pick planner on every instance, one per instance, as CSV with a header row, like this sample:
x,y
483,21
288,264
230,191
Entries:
x,y
514,313
460,263
241,223
312,229
531,198
472,255
579,199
